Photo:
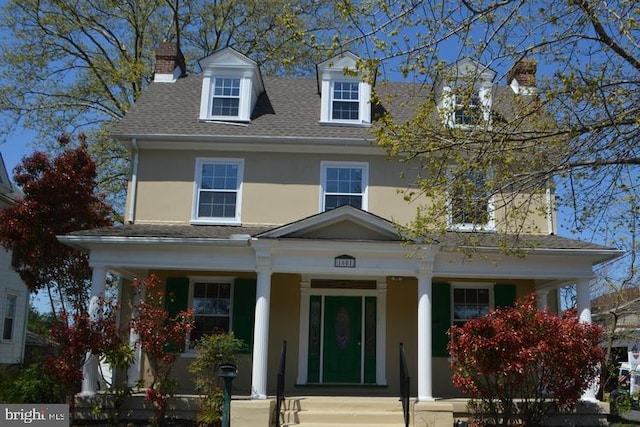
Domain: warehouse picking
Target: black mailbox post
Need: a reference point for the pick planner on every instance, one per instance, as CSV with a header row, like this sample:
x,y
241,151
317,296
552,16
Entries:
x,y
228,374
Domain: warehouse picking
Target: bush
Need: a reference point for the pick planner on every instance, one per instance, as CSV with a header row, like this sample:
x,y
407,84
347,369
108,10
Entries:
x,y
542,360
30,384
213,351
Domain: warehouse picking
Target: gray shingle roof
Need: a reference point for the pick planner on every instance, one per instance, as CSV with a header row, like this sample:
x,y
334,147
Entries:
x,y
289,108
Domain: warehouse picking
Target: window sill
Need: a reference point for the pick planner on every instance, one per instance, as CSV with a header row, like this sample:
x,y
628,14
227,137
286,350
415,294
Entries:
x,y
214,221
356,124
472,228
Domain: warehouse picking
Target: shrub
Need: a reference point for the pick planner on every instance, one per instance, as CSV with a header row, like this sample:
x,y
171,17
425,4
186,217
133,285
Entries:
x,y
542,360
160,337
213,351
30,384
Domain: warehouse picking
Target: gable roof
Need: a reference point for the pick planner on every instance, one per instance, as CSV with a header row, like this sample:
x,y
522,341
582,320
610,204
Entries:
x,y
5,182
342,223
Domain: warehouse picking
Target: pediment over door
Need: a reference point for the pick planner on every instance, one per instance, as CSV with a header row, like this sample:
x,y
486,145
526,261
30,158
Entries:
x,y
343,223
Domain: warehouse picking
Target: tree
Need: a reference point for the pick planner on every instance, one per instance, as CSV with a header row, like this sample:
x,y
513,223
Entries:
x,y
543,360
69,66
59,196
575,133
160,336
76,335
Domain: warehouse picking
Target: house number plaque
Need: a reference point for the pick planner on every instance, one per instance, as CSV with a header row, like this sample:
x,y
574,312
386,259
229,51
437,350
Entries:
x,y
345,261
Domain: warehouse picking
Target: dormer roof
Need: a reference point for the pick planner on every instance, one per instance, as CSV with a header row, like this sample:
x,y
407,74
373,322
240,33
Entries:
x,y
338,66
229,60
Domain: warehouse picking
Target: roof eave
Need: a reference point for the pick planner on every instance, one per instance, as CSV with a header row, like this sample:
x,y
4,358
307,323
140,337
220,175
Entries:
x,y
85,242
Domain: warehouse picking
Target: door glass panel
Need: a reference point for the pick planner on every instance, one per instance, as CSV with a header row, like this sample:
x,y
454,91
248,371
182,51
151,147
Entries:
x,y
343,328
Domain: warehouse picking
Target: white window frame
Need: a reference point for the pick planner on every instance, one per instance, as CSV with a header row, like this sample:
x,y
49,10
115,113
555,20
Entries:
x,y
210,279
356,101
6,314
325,165
490,225
451,102
213,96
462,107
200,162
473,286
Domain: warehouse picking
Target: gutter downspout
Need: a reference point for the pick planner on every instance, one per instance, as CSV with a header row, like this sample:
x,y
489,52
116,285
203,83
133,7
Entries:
x,y
549,212
134,182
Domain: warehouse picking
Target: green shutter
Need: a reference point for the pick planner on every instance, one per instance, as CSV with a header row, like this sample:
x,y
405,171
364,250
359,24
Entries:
x,y
440,318
177,300
504,295
244,308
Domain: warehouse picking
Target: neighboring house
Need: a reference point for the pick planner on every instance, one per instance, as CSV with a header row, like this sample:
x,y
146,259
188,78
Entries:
x,y
266,205
619,314
14,295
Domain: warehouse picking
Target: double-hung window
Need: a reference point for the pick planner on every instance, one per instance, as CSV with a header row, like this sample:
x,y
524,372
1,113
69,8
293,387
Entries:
x,y
470,207
345,103
470,303
211,302
11,302
226,97
218,191
467,110
344,183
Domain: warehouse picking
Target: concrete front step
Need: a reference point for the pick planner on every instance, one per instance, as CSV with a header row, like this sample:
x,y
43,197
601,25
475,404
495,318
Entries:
x,y
342,411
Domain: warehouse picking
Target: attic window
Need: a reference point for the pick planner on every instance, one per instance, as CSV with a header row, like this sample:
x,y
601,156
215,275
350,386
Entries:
x,y
467,111
226,97
346,101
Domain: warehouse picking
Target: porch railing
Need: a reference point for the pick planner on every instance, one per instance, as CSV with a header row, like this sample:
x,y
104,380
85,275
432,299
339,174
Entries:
x,y
280,382
405,382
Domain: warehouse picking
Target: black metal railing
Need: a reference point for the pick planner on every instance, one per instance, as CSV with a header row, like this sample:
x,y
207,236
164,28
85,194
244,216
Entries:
x,y
405,382
280,382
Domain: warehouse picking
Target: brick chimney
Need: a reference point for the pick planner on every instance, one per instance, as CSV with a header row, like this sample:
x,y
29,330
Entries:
x,y
170,64
524,72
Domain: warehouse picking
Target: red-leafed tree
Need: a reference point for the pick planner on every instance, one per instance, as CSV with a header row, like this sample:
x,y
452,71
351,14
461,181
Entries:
x,y
77,334
543,360
160,336
58,196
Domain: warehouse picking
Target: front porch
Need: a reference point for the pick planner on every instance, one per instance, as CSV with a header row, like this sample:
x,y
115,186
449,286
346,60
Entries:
x,y
328,411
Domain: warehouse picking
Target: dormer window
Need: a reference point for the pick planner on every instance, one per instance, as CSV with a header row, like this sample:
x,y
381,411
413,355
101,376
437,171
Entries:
x,y
231,85
345,98
226,97
465,94
346,101
466,111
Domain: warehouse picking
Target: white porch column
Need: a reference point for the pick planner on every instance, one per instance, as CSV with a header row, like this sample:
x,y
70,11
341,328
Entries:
x,y
542,299
425,353
303,343
381,334
90,367
583,297
261,327
134,372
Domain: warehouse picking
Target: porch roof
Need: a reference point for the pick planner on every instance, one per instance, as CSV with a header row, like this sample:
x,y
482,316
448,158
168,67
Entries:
x,y
451,239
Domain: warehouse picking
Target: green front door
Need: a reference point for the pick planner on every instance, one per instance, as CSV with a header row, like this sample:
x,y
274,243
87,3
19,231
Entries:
x,y
342,355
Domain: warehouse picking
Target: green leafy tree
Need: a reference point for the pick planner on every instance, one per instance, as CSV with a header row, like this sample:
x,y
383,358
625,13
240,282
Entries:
x,y
59,196
520,364
576,132
68,66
